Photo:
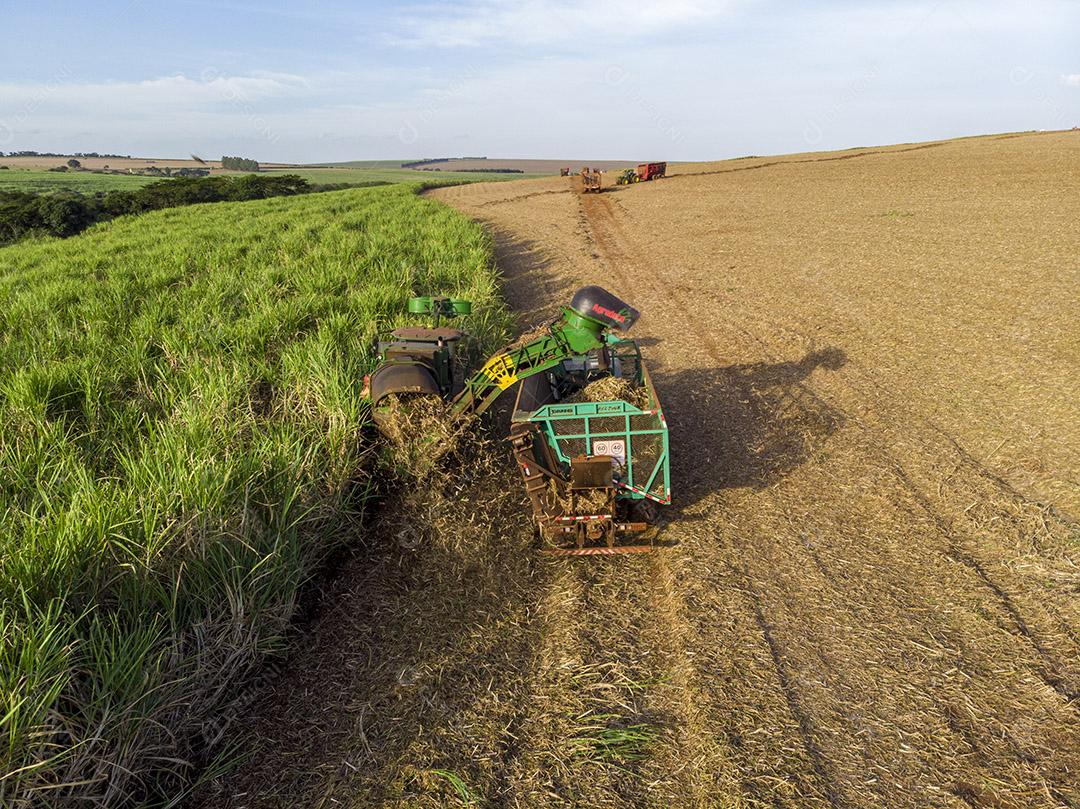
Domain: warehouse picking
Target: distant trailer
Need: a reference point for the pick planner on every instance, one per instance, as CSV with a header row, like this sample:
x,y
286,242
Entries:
x,y
590,180
651,171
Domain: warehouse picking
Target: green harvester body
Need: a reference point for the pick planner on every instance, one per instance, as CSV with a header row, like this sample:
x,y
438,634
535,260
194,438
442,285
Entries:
x,y
611,455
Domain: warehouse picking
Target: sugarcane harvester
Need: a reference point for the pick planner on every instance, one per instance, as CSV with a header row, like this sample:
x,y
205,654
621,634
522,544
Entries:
x,y
595,472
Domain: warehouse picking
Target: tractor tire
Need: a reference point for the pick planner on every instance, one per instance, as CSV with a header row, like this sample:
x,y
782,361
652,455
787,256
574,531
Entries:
x,y
645,511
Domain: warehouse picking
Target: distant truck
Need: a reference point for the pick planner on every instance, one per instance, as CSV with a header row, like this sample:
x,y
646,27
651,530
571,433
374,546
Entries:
x,y
643,173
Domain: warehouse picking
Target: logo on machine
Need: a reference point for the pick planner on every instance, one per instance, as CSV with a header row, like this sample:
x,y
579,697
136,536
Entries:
x,y
603,310
501,370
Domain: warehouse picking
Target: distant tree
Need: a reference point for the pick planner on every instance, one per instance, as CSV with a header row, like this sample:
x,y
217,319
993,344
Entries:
x,y
252,186
74,164
239,164
23,214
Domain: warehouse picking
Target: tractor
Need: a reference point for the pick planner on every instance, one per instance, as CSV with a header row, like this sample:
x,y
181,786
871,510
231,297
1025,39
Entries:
x,y
595,472
643,173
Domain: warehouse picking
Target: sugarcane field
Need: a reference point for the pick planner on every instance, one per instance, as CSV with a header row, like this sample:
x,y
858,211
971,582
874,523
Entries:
x,y
676,476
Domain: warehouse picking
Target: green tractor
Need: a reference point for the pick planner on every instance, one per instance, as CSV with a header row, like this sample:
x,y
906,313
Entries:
x,y
594,472
421,360
627,177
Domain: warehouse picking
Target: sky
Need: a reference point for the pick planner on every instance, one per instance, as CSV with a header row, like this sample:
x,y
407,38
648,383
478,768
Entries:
x,y
566,79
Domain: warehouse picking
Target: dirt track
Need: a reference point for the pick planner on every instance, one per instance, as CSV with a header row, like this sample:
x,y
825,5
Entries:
x,y
872,599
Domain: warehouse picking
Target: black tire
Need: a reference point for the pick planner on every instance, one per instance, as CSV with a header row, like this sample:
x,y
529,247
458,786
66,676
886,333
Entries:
x,y
645,511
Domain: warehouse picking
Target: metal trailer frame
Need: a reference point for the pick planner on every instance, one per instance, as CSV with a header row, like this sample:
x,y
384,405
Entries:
x,y
548,416
614,449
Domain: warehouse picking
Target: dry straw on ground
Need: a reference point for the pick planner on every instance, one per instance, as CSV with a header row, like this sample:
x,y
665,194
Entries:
x,y
870,595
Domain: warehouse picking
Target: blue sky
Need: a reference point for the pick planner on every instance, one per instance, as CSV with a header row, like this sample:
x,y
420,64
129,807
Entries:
x,y
674,79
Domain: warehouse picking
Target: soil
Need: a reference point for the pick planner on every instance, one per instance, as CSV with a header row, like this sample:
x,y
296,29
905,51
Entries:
x,y
870,365
528,166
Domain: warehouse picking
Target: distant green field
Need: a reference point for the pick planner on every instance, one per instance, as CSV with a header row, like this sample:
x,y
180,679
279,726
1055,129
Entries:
x,y
39,181
396,175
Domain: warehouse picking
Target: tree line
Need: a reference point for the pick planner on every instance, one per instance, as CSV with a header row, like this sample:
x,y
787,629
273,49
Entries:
x,y
239,164
66,213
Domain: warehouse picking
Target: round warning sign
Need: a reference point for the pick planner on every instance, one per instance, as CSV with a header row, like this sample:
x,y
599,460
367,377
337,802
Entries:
x,y
613,447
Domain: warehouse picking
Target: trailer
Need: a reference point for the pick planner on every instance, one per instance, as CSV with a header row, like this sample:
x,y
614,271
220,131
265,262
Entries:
x,y
643,173
594,471
651,171
590,180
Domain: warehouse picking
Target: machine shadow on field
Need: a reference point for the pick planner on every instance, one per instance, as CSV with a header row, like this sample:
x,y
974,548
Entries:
x,y
744,426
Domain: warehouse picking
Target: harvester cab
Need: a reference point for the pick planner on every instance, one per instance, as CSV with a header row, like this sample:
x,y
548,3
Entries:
x,y
595,467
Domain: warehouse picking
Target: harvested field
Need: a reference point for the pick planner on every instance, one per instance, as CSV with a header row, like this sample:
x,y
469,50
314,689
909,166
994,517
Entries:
x,y
529,166
871,367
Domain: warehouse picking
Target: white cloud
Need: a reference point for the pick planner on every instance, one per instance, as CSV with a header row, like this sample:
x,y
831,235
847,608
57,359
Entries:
x,y
210,110
170,91
683,79
581,23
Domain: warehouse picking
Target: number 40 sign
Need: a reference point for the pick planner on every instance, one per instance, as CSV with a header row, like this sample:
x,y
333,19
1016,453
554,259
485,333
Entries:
x,y
615,448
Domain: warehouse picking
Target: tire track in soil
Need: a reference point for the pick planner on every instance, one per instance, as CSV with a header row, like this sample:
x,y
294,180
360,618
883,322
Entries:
x,y
614,646
1067,684
600,216
521,197
625,264
917,683
832,159
956,552
602,653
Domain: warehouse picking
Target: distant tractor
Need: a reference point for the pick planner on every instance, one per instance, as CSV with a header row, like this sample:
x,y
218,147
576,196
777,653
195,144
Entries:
x,y
590,180
564,172
643,173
